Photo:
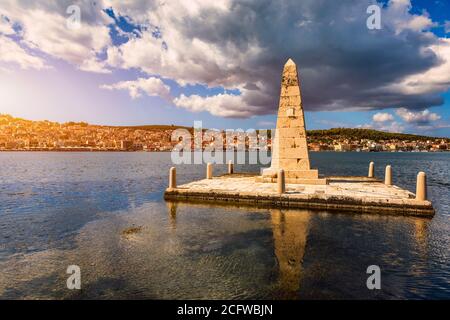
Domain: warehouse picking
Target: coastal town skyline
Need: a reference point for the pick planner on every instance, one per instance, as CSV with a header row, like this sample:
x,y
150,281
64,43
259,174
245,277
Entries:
x,y
140,64
18,134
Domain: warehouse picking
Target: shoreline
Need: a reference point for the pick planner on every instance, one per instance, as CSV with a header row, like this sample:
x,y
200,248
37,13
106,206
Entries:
x,y
141,151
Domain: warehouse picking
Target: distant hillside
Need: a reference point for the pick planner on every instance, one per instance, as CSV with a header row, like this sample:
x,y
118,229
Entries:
x,y
351,133
313,135
154,127
6,118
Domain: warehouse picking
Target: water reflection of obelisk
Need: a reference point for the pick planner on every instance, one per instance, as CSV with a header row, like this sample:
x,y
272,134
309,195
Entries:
x,y
172,209
290,230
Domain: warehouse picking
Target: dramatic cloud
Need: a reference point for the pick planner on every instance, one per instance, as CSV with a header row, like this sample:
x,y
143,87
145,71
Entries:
x,y
434,80
382,117
150,86
243,45
421,118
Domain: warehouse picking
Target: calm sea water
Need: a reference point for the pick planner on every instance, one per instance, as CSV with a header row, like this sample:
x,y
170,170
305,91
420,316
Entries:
x,y
61,209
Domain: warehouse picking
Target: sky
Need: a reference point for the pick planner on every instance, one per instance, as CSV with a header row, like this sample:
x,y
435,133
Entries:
x,y
175,62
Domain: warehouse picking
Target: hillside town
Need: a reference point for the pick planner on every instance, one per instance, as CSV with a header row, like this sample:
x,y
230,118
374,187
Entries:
x,y
367,145
25,135
19,134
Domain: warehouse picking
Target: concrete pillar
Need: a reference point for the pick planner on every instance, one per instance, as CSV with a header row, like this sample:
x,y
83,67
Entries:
x,y
230,167
209,171
371,170
388,176
421,188
281,182
172,178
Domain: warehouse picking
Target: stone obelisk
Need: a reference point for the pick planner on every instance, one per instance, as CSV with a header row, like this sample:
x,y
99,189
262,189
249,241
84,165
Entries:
x,y
289,146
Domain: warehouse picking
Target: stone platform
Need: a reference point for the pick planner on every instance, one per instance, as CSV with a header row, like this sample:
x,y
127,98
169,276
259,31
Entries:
x,y
310,176
353,194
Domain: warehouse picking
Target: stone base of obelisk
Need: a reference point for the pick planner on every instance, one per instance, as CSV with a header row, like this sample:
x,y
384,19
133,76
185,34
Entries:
x,y
310,176
341,194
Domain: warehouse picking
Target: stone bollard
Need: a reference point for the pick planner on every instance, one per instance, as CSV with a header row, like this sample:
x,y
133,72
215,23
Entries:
x,y
281,182
388,176
172,178
371,169
230,167
421,187
209,171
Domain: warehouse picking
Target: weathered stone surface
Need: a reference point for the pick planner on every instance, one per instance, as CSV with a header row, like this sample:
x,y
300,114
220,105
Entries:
x,y
305,174
286,122
172,178
290,132
306,181
290,91
289,146
295,164
421,188
357,194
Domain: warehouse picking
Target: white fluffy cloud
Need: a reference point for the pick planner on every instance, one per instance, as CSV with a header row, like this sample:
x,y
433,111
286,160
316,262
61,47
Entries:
x,y
12,52
393,126
150,86
398,15
421,117
412,121
382,117
43,27
5,26
222,105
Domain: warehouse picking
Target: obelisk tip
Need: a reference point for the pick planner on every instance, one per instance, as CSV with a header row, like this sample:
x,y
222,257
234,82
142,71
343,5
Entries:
x,y
290,62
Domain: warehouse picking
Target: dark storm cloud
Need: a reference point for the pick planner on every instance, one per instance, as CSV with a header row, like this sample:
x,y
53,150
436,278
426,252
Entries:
x,y
244,44
342,63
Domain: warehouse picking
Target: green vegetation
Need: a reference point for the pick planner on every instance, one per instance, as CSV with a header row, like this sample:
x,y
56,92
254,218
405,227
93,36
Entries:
x,y
370,134
80,124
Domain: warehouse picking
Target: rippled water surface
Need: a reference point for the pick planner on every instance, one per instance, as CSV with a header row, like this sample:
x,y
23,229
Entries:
x,y
61,209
